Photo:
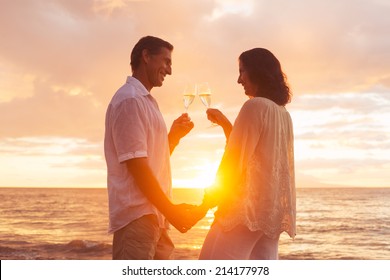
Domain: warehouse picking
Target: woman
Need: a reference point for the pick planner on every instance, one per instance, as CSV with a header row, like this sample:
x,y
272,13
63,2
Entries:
x,y
255,184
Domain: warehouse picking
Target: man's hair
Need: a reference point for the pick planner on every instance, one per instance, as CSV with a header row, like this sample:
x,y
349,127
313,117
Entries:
x,y
152,44
265,71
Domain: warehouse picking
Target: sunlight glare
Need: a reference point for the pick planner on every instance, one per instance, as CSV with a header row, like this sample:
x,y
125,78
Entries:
x,y
203,177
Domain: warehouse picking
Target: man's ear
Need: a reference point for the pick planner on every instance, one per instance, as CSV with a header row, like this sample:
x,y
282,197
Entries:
x,y
145,56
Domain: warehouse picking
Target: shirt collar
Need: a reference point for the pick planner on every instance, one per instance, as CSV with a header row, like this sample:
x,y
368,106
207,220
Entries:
x,y
138,84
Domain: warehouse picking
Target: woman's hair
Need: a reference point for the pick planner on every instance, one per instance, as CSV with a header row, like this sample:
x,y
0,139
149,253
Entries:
x,y
150,43
265,71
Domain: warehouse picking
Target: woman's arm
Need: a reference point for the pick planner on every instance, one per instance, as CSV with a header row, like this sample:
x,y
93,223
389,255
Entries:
x,y
216,116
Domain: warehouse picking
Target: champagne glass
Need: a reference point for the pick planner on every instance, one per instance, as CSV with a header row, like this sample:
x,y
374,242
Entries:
x,y
188,96
204,92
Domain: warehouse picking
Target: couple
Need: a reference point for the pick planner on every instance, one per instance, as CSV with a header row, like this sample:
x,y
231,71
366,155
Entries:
x,y
254,188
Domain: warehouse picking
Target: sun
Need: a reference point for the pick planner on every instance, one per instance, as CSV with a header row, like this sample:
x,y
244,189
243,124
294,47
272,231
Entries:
x,y
202,176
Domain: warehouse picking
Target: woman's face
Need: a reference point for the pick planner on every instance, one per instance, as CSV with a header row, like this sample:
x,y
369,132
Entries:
x,y
243,79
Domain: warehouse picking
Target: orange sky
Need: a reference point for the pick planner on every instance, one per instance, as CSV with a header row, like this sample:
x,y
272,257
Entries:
x,y
61,61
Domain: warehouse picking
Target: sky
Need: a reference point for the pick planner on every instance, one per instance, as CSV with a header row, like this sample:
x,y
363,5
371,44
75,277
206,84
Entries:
x,y
62,60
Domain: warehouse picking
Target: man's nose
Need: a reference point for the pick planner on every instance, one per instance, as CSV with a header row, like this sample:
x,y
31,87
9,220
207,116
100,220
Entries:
x,y
169,70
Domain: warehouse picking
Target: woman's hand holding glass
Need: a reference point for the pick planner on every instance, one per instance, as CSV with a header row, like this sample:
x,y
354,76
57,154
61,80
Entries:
x,y
217,117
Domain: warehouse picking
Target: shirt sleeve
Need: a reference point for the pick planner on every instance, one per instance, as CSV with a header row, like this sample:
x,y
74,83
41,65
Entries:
x,y
129,130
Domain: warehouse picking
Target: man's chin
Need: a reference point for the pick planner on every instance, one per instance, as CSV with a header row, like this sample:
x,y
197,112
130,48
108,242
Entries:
x,y
158,84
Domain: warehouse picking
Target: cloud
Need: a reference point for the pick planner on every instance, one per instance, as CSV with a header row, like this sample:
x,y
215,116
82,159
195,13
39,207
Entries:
x,y
83,42
52,112
361,172
38,146
62,60
342,117
343,138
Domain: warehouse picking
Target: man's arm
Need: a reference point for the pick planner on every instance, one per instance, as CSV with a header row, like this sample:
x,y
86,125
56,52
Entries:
x,y
177,215
180,128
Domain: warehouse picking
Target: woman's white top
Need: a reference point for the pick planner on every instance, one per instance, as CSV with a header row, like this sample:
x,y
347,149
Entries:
x,y
256,175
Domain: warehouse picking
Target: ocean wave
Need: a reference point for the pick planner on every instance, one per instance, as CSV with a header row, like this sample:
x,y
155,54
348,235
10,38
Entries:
x,y
330,225
73,250
87,246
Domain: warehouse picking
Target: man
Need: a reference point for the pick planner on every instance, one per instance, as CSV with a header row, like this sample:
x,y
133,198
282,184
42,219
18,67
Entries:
x,y
137,149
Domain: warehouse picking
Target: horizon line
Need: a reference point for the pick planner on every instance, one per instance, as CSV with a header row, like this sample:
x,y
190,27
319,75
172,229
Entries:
x,y
320,186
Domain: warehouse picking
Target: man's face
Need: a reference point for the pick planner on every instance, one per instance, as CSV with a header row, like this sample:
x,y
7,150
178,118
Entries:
x,y
158,66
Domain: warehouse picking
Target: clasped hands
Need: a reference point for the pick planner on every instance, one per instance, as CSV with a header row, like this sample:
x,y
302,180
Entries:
x,y
184,216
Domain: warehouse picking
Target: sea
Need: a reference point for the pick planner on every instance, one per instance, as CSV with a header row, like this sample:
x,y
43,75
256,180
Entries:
x,y
71,224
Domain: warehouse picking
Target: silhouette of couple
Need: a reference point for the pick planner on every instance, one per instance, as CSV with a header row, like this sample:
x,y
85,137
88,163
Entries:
x,y
254,188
